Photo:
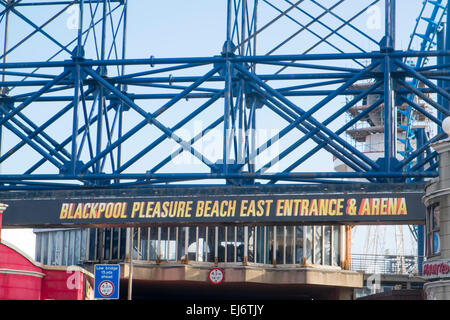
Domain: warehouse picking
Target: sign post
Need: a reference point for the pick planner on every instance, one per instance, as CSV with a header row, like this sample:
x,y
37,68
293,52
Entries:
x,y
130,267
106,281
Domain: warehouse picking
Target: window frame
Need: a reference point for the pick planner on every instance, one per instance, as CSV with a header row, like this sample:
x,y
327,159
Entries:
x,y
433,228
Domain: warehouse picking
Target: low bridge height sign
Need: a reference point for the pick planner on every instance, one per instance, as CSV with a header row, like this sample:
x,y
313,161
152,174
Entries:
x,y
106,278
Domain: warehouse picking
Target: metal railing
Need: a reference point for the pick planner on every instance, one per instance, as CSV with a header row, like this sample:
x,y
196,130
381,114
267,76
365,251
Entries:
x,y
267,245
384,264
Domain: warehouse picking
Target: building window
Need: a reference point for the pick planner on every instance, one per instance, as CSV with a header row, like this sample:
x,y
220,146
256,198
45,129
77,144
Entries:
x,y
433,228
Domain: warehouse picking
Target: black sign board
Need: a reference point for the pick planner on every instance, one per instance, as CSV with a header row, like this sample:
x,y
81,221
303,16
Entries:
x,y
218,205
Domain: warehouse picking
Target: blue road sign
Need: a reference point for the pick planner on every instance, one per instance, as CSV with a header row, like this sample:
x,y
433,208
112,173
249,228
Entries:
x,y
106,281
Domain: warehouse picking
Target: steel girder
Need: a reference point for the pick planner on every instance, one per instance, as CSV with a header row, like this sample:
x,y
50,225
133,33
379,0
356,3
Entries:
x,y
123,122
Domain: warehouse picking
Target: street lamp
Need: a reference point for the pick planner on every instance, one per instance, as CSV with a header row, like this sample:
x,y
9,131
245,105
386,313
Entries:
x,y
446,125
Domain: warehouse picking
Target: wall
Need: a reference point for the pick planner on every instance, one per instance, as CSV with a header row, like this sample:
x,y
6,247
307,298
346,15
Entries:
x,y
438,191
21,278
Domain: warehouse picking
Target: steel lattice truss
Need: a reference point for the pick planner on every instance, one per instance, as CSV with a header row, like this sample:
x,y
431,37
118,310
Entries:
x,y
75,112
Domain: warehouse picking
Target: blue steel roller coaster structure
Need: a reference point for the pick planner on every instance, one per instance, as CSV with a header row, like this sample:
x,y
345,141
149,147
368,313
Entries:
x,y
87,116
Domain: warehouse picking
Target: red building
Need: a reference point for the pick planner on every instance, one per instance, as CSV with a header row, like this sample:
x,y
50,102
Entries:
x,y
21,278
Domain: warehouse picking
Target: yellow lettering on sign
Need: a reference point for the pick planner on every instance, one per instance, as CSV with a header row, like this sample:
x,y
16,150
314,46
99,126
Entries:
x,y
93,211
279,207
268,204
109,210
364,208
375,204
180,210
199,211
402,207
124,209
64,211
304,208
222,211
287,211
382,206
260,208
332,207
136,208
340,207
148,210
188,209
215,209
313,208
78,211
231,208
323,207
117,209
85,213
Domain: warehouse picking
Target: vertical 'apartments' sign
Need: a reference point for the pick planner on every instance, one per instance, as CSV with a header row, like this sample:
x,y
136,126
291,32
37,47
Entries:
x,y
202,209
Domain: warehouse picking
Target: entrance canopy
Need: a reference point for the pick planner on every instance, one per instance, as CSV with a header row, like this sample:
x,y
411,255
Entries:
x,y
214,205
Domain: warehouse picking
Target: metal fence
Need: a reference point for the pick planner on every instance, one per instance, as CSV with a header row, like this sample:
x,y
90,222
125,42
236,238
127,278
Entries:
x,y
384,264
269,245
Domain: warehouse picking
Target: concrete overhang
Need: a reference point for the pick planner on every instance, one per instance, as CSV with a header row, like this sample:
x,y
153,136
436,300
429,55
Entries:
x,y
275,275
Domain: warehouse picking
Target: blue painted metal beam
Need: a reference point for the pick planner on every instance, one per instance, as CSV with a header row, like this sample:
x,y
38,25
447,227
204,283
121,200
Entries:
x,y
150,118
310,132
220,60
340,131
208,176
307,114
177,126
327,78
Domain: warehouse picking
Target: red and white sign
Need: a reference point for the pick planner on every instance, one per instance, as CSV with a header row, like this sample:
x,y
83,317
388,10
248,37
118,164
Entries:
x,y
216,275
437,269
106,288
